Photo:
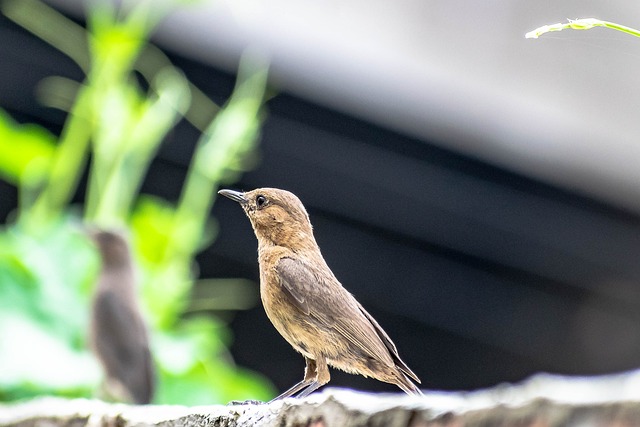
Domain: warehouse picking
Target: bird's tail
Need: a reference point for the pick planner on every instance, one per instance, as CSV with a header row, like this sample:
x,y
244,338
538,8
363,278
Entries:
x,y
407,385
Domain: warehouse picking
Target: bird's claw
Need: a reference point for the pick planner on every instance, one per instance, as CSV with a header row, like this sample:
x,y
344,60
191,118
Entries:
x,y
245,402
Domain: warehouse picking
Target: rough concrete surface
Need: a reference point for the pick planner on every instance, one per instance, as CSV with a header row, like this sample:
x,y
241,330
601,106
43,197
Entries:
x,y
543,401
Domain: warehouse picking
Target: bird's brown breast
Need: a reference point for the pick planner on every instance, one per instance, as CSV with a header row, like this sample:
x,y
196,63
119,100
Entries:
x,y
288,320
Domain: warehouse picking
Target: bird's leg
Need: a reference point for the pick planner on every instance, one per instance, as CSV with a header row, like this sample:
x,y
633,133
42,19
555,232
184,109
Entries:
x,y
309,377
321,378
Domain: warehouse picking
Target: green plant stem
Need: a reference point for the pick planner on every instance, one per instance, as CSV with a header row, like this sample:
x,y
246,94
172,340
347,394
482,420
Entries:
x,y
68,162
622,28
118,179
581,24
51,26
71,153
233,130
202,109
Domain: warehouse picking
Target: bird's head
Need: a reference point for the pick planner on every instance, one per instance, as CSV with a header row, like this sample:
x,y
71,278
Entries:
x,y
278,217
112,245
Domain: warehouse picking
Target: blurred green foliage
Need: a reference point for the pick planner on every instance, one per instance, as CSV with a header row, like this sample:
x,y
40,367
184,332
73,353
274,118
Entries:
x,y
47,264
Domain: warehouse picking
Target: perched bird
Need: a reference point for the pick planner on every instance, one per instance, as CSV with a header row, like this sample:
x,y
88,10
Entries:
x,y
118,332
308,305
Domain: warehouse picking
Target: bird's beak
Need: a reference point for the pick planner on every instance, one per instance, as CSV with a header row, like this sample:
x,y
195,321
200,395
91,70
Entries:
x,y
236,196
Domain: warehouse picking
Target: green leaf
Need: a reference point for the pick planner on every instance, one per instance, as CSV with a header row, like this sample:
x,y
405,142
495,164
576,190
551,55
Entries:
x,y
28,150
195,369
151,221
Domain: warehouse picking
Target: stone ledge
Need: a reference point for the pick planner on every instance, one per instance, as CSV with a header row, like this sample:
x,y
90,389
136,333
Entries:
x,y
543,401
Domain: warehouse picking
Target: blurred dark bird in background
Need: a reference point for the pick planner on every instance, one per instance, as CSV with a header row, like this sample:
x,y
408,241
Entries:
x,y
308,305
118,332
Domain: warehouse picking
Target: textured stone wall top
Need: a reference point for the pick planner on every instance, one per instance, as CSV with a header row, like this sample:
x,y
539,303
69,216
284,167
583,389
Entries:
x,y
542,401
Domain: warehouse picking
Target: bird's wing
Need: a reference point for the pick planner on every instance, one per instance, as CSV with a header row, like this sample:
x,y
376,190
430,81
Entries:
x,y
390,345
122,345
318,294
297,282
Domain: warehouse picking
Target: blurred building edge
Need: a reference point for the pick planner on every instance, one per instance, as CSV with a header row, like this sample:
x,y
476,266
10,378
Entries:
x,y
118,332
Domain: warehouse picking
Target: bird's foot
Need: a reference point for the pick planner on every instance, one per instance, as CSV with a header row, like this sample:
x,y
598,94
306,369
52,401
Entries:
x,y
245,402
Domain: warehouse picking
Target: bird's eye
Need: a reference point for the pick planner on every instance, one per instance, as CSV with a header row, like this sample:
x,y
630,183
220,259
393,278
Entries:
x,y
261,201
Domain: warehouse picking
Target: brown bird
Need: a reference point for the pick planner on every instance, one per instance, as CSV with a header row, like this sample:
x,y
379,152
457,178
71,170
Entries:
x,y
118,332
308,305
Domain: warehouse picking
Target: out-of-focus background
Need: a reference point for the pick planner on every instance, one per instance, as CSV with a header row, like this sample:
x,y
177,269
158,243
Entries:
x,y
478,192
